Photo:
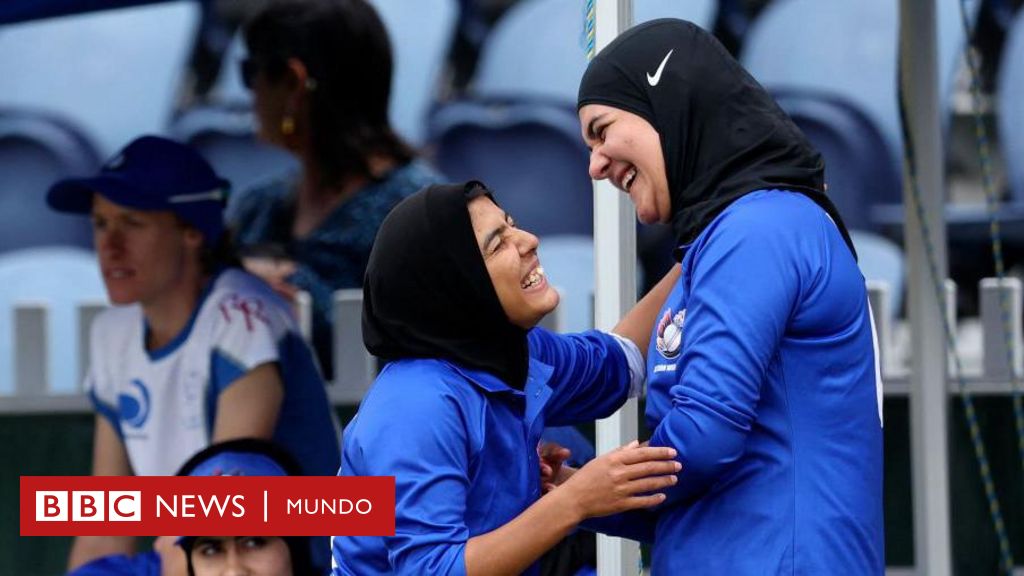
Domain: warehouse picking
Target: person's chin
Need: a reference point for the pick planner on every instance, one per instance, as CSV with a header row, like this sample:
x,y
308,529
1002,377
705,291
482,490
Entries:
x,y
549,304
647,217
121,299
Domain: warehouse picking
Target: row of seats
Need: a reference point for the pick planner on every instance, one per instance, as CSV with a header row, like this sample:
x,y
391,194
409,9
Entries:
x,y
831,63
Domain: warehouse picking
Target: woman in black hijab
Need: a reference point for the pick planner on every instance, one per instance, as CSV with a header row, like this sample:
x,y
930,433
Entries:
x,y
452,295
763,373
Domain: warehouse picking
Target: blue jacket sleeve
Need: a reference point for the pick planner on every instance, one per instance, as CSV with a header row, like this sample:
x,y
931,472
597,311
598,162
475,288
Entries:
x,y
590,377
426,450
744,283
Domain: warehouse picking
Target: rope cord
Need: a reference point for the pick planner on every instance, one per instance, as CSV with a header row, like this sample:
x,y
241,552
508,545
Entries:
x,y
977,442
992,202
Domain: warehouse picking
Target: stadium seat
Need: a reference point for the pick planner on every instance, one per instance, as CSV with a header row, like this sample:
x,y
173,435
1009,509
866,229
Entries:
x,y
537,50
568,263
530,154
858,170
421,36
848,50
969,225
228,88
61,279
114,74
881,259
518,131
1011,108
225,136
35,151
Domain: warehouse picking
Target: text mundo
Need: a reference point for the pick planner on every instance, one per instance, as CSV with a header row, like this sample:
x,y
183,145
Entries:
x,y
333,506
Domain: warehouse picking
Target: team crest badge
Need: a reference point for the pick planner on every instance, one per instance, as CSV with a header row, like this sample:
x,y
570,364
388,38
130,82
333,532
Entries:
x,y
670,334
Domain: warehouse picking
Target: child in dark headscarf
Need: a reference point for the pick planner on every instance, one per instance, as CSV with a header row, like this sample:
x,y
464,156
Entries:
x,y
452,295
763,369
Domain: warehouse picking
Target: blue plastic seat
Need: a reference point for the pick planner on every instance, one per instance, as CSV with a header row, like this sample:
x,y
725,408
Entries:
x,y
61,278
228,89
847,49
881,259
519,131
1011,108
115,74
859,171
568,263
226,136
421,35
35,151
969,226
537,50
530,154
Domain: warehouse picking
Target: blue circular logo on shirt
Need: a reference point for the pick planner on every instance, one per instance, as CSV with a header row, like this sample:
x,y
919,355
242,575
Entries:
x,y
134,404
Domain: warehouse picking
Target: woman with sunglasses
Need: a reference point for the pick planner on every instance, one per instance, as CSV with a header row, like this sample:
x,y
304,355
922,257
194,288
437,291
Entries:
x,y
320,73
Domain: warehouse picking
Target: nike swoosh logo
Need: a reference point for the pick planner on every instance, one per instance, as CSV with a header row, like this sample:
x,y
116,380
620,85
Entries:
x,y
653,80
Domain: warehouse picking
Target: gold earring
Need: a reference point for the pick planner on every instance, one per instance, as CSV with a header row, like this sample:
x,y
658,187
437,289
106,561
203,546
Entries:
x,y
288,125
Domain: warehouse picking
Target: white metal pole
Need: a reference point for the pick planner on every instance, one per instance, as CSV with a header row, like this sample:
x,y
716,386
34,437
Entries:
x,y
615,293
928,398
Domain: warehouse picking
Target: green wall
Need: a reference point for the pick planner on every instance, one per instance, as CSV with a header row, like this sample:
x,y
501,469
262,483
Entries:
x,y
62,445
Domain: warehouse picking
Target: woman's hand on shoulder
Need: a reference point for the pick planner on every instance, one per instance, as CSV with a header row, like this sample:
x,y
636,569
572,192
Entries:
x,y
275,272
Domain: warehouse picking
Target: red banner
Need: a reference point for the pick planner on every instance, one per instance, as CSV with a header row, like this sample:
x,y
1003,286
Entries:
x,y
207,506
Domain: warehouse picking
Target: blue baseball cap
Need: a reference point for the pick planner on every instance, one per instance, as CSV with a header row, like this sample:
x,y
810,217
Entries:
x,y
153,174
244,457
238,464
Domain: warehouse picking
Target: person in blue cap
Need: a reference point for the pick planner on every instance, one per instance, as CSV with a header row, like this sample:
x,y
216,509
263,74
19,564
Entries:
x,y
195,350
252,555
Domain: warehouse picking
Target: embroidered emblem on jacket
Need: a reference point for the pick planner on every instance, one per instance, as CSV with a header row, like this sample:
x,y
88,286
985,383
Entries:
x,y
670,333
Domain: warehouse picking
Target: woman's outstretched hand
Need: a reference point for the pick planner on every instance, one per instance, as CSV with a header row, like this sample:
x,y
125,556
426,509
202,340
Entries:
x,y
626,478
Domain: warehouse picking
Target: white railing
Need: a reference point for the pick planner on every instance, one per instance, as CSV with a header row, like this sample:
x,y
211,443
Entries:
x,y
982,344
34,354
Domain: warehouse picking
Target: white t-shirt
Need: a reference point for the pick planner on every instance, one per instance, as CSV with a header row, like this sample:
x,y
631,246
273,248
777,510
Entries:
x,y
163,402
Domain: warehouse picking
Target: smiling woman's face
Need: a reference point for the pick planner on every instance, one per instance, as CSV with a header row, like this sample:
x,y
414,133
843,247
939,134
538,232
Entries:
x,y
626,149
510,255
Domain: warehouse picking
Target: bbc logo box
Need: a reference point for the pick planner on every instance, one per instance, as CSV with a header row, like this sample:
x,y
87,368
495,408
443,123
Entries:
x,y
88,506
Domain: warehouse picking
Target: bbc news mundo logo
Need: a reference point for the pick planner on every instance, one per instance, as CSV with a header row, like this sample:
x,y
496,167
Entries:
x,y
207,506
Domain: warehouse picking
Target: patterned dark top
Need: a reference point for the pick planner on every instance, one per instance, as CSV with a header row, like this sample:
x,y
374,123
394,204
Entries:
x,y
335,254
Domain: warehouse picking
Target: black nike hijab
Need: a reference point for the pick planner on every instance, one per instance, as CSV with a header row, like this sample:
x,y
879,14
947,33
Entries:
x,y
427,293
721,134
